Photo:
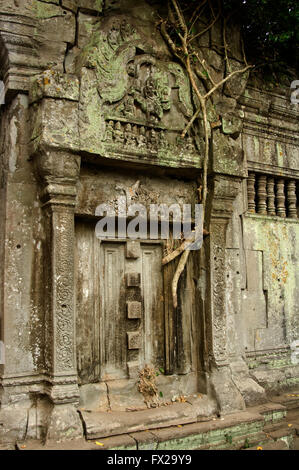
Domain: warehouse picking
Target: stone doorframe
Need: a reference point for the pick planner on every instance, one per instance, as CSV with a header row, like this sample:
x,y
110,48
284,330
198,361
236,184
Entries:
x,y
59,173
56,156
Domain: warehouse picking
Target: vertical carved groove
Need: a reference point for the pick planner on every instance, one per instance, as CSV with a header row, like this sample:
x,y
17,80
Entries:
x,y
251,192
280,197
262,195
271,196
291,199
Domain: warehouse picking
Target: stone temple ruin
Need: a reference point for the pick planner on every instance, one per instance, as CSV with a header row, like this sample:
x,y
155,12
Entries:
x,y
94,107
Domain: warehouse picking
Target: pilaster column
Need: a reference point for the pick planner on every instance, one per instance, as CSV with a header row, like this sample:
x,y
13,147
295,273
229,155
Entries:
x,y
225,190
59,172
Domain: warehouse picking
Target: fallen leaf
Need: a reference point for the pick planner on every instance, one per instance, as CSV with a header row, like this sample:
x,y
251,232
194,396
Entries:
x,y
179,426
290,425
99,444
23,447
259,448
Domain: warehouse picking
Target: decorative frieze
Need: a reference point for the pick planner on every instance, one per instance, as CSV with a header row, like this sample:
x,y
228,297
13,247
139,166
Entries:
x,y
272,195
138,138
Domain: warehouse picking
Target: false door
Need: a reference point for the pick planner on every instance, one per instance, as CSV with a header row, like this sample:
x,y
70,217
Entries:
x,y
120,315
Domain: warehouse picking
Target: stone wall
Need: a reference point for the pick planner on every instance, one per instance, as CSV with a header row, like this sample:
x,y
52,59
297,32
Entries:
x,y
83,124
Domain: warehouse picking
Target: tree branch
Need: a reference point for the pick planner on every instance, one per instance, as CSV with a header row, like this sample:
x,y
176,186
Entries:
x,y
226,79
180,268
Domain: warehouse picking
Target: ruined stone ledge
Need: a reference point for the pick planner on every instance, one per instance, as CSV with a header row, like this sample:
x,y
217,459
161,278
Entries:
x,y
272,217
272,169
101,424
243,430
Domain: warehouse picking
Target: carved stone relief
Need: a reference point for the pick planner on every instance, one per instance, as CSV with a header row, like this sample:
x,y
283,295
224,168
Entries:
x,y
144,102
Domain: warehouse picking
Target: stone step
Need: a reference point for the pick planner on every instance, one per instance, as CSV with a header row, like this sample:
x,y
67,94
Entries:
x,y
290,400
231,431
100,424
104,424
7,447
272,412
260,426
240,442
278,445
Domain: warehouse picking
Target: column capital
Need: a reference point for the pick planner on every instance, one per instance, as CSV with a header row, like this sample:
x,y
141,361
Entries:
x,y
224,191
58,172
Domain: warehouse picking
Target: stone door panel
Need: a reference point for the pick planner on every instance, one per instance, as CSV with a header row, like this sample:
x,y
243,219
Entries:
x,y
120,318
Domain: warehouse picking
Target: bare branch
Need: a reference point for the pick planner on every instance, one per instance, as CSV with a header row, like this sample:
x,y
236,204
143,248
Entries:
x,y
170,42
195,15
204,66
206,29
177,275
226,79
174,254
243,52
195,115
180,18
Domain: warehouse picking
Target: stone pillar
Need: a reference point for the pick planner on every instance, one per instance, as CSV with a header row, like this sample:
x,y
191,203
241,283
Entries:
x,y
280,198
251,192
59,172
262,195
291,198
54,149
225,190
271,196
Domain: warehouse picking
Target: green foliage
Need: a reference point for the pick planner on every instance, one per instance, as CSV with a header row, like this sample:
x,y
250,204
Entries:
x,y
270,29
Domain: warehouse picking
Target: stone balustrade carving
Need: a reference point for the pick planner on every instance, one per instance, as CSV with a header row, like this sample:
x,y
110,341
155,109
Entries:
x,y
272,195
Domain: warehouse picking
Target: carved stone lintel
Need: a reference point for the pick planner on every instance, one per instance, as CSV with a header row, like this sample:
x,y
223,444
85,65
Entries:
x,y
291,199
